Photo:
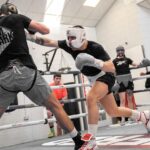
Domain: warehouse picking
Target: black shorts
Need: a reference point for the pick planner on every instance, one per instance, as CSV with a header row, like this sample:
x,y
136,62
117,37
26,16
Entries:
x,y
108,79
124,89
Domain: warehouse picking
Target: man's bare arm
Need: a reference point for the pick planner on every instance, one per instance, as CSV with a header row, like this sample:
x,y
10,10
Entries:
x,y
41,40
46,41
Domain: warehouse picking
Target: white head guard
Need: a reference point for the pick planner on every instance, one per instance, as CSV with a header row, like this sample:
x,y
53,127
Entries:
x,y
78,34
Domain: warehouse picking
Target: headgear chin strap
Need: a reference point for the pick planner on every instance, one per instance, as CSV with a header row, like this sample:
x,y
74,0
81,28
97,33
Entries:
x,y
78,34
8,9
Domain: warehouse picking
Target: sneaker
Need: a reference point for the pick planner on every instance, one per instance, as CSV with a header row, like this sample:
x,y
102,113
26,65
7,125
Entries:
x,y
77,147
90,142
78,142
147,117
50,134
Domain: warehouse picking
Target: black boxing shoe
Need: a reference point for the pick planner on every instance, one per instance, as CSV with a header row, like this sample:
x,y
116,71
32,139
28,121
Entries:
x,y
78,142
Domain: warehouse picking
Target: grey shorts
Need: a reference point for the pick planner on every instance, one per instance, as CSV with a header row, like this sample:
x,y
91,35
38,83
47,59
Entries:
x,y
20,78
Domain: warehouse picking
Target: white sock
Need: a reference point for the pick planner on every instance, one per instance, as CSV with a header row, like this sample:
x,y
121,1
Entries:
x,y
122,119
73,133
92,129
135,115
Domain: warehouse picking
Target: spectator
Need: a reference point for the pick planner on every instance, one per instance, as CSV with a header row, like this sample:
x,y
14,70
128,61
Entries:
x,y
60,94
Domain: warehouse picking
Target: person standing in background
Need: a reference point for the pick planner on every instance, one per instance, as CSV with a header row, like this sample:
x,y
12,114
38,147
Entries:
x,y
60,94
122,63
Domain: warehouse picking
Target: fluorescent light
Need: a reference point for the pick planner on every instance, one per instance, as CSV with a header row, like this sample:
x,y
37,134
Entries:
x,y
91,3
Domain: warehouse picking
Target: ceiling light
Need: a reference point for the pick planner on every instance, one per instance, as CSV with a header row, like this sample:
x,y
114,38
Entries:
x,y
91,3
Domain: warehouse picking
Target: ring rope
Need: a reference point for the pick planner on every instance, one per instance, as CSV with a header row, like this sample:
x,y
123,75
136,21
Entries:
x,y
70,86
143,77
45,121
143,90
11,107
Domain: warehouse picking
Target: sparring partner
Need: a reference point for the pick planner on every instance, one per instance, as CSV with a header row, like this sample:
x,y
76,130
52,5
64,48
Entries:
x,y
18,73
94,62
126,86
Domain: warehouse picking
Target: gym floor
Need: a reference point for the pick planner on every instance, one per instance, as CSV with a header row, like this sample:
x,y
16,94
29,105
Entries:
x,y
129,137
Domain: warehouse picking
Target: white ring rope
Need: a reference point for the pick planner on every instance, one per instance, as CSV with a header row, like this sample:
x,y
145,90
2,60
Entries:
x,y
87,85
21,106
11,107
23,124
70,86
143,90
143,77
72,100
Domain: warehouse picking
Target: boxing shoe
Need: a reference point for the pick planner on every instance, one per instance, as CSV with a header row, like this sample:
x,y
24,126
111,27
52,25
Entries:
x,y
90,142
145,118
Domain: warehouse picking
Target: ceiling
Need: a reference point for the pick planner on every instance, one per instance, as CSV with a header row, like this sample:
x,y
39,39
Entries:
x,y
144,3
69,12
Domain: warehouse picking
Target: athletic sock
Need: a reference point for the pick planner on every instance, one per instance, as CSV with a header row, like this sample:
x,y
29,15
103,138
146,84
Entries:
x,y
138,116
92,129
75,135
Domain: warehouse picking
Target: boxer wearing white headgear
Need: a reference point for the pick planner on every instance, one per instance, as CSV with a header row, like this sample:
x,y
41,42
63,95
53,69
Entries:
x,y
89,56
75,37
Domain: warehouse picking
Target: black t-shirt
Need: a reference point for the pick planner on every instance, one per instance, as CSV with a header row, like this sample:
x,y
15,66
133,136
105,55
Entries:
x,y
93,49
13,44
122,65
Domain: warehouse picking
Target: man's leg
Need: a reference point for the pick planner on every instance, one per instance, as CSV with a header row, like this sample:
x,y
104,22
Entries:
x,y
57,109
41,94
6,98
113,110
63,119
97,92
59,130
122,104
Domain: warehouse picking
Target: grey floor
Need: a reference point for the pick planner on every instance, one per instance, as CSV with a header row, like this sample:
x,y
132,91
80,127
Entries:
x,y
128,137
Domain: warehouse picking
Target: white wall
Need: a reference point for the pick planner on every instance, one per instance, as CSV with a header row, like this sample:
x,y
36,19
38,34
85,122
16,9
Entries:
x,y
118,26
144,21
31,133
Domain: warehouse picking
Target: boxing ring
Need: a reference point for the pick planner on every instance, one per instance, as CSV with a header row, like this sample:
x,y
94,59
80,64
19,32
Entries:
x,y
131,136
